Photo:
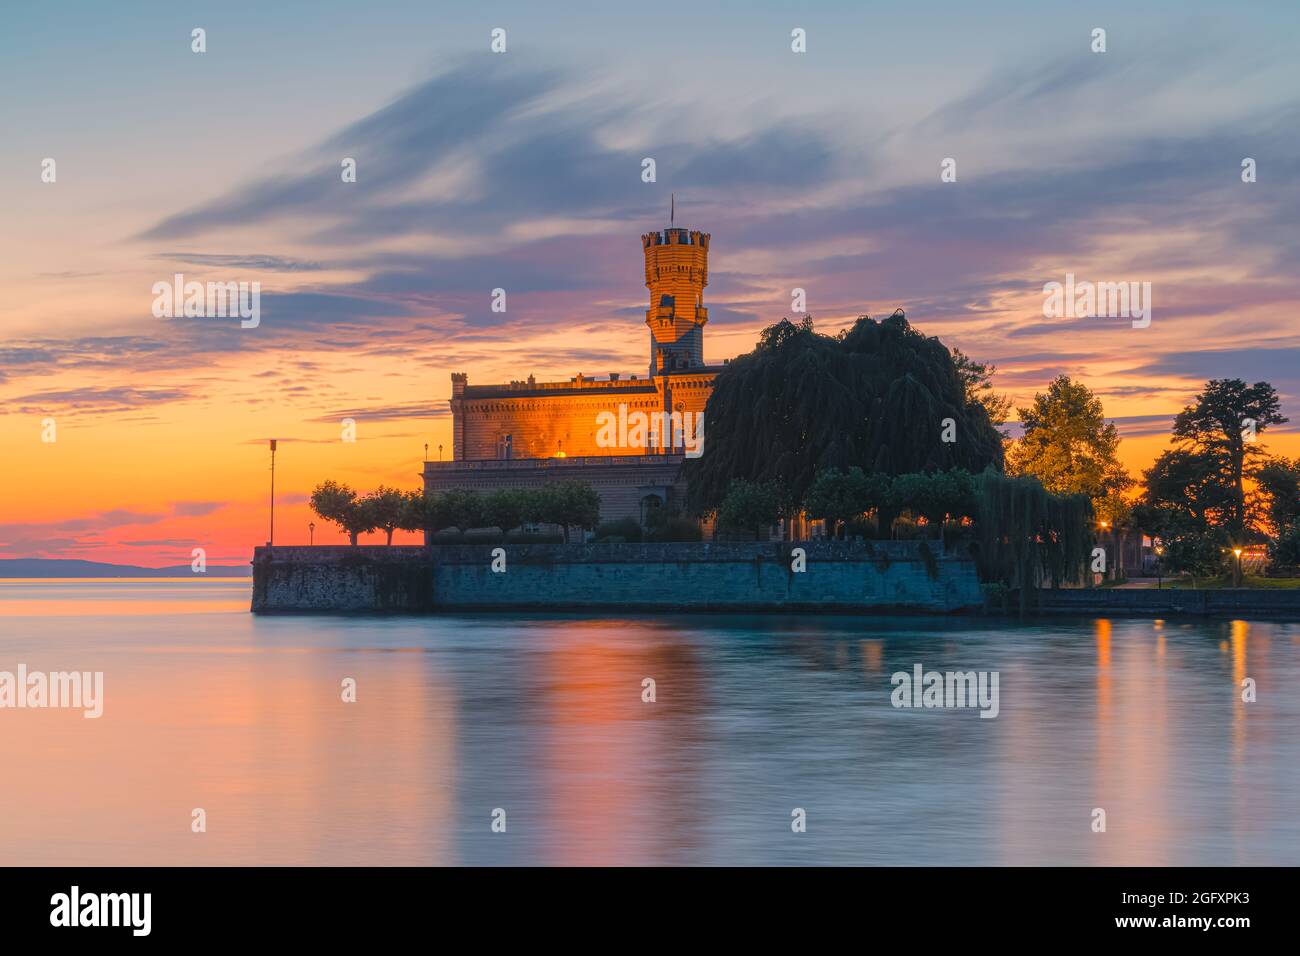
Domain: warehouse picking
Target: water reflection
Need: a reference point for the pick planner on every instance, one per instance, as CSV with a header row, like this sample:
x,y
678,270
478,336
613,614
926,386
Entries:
x,y
544,717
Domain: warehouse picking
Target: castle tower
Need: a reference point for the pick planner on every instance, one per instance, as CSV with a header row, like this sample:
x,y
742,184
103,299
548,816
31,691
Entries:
x,y
676,272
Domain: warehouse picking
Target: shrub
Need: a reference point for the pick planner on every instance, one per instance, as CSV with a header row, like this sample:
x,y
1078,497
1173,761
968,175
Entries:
x,y
751,506
624,529
675,528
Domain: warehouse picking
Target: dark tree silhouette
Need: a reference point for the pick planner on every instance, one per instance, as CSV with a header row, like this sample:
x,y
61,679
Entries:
x,y
877,396
1217,425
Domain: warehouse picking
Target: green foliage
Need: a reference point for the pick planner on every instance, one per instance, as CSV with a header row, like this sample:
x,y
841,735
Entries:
x,y
1189,485
624,529
936,496
424,513
674,528
1213,427
1027,535
1284,550
504,508
337,503
566,503
1279,483
570,503
977,380
1068,445
1192,548
837,497
386,509
875,397
752,506
463,508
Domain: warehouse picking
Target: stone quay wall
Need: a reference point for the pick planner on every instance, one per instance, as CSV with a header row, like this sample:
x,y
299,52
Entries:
x,y
742,576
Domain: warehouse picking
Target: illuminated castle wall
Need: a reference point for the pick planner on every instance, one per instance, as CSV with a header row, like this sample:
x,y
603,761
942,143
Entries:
x,y
523,433
531,419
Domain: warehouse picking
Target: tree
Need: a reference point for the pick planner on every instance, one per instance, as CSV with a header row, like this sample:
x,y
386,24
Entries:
x,y
1279,483
425,511
464,508
571,503
977,379
504,509
880,396
1068,445
752,506
1189,484
936,496
337,503
1026,534
839,496
1284,550
386,510
1191,547
1221,424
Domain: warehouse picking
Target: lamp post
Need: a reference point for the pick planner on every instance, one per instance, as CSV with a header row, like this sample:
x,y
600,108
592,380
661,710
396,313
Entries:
x,y
1237,579
440,453
271,541
311,532
1159,566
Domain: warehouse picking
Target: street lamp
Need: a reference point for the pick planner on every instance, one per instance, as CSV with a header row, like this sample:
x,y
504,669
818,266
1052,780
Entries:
x,y
271,541
311,532
1159,565
1237,552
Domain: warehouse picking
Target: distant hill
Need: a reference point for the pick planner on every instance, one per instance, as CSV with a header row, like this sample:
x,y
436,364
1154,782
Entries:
x,y
67,568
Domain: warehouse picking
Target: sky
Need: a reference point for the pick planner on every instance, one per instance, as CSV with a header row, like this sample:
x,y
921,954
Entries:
x,y
522,170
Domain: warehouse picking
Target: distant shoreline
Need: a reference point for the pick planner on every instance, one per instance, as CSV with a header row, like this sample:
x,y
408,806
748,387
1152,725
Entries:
x,y
73,568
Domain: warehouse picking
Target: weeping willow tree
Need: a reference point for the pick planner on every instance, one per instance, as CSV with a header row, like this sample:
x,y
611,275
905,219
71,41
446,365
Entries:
x,y
878,396
1027,536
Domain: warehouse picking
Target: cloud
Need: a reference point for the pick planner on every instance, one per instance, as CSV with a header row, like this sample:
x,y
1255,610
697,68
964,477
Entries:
x,y
229,261
196,509
93,400
525,178
436,409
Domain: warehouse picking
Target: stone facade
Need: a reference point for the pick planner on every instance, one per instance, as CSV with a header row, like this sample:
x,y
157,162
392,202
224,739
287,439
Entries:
x,y
524,433
845,576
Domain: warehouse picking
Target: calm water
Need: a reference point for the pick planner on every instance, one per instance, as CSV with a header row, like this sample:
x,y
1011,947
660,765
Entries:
x,y
207,706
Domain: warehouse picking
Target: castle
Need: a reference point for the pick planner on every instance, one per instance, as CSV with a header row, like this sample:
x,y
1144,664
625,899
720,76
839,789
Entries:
x,y
526,433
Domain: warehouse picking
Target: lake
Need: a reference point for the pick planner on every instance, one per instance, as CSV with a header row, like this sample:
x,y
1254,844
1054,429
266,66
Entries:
x,y
542,717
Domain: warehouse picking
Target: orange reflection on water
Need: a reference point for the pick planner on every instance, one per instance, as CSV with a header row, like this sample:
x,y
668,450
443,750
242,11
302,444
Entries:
x,y
1240,633
873,655
1131,751
608,749
66,597
285,770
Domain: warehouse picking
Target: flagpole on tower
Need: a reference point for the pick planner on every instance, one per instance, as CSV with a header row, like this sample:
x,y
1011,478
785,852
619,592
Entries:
x,y
672,210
